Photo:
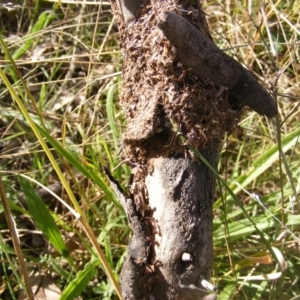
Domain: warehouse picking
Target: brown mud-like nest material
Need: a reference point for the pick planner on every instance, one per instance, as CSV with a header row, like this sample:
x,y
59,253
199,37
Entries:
x,y
162,100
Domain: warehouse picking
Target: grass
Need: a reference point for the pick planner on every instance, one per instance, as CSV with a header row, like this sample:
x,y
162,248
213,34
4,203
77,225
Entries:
x,y
60,123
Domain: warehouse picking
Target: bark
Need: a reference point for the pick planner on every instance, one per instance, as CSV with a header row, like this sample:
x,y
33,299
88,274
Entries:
x,y
170,254
179,90
181,193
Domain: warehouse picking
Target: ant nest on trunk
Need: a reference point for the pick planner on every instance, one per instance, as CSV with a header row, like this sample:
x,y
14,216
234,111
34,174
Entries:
x,y
161,99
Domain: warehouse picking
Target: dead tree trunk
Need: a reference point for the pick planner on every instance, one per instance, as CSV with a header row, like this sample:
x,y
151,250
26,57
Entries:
x,y
178,91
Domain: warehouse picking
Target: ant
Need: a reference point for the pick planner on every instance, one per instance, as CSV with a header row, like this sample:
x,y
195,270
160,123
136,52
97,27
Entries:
x,y
182,75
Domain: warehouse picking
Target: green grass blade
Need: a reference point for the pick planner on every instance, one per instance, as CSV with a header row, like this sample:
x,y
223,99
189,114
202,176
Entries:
x,y
236,200
111,115
82,279
6,254
43,20
244,228
61,271
227,292
17,76
75,161
37,131
265,161
43,219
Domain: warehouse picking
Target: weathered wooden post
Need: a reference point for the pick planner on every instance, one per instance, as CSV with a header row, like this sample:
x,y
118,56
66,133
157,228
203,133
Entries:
x,y
178,91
